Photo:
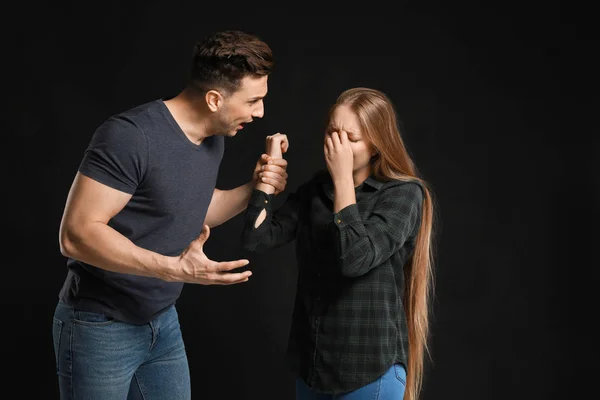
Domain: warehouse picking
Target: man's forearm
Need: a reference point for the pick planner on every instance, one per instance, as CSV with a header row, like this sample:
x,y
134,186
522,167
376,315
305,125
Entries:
x,y
100,245
226,204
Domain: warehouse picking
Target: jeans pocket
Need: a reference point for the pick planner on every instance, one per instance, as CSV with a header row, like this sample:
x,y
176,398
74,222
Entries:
x,y
57,326
400,373
92,318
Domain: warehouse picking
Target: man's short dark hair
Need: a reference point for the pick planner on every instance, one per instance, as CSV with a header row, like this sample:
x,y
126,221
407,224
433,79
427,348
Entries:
x,y
223,59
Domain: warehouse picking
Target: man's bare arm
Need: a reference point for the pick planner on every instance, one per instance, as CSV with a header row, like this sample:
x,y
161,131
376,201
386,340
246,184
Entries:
x,y
86,236
226,204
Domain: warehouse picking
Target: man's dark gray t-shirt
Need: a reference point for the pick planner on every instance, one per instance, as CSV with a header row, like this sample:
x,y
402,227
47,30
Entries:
x,y
144,152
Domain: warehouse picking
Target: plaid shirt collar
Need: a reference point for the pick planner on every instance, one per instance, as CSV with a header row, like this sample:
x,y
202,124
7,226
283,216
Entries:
x,y
371,181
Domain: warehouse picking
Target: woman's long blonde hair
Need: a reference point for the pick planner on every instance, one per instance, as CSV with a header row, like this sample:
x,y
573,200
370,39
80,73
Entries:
x,y
379,124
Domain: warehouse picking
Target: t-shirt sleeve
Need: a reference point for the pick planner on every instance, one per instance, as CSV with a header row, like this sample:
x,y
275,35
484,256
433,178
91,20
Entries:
x,y
117,155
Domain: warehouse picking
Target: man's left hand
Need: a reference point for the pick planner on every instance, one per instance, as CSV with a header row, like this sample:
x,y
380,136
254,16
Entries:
x,y
271,171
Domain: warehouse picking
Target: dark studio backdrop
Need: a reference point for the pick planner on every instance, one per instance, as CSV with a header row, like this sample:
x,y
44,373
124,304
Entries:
x,y
478,92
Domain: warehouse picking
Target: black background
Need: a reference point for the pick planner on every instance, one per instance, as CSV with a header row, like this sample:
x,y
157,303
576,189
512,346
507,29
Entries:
x,y
481,93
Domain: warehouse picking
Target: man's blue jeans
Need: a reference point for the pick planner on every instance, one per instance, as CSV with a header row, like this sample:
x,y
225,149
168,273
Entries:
x,y
99,358
390,386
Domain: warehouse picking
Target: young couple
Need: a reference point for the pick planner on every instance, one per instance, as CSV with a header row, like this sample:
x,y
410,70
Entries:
x,y
144,199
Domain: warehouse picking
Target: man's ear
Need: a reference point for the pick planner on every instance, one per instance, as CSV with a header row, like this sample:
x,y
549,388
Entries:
x,y
214,100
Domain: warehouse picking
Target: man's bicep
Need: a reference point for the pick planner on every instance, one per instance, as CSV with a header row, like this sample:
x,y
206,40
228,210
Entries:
x,y
92,201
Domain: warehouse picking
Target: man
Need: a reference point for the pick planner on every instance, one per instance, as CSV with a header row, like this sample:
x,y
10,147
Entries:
x,y
137,215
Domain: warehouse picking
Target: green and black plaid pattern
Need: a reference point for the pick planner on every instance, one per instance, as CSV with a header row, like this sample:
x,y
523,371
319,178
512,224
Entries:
x,y
349,324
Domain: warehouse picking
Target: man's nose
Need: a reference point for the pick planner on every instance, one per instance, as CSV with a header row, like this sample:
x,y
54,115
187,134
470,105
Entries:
x,y
259,112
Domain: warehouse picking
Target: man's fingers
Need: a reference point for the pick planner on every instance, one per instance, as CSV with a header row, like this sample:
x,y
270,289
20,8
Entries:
x,y
275,180
282,175
266,159
279,185
274,169
229,265
231,278
279,162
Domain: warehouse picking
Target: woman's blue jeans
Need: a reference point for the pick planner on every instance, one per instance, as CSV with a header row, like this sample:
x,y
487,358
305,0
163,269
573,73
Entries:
x,y
390,386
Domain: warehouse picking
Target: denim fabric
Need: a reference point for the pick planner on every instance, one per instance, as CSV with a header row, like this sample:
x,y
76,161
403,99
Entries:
x,y
390,386
101,358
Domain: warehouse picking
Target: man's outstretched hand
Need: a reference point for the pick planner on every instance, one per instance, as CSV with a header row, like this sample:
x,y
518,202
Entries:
x,y
193,266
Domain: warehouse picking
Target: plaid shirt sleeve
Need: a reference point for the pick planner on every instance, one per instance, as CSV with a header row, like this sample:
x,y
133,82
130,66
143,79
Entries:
x,y
363,244
278,227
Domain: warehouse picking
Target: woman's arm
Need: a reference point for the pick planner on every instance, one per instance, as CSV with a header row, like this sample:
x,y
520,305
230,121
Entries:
x,y
363,244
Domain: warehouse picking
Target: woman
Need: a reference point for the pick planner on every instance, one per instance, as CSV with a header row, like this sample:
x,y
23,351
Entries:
x,y
363,236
